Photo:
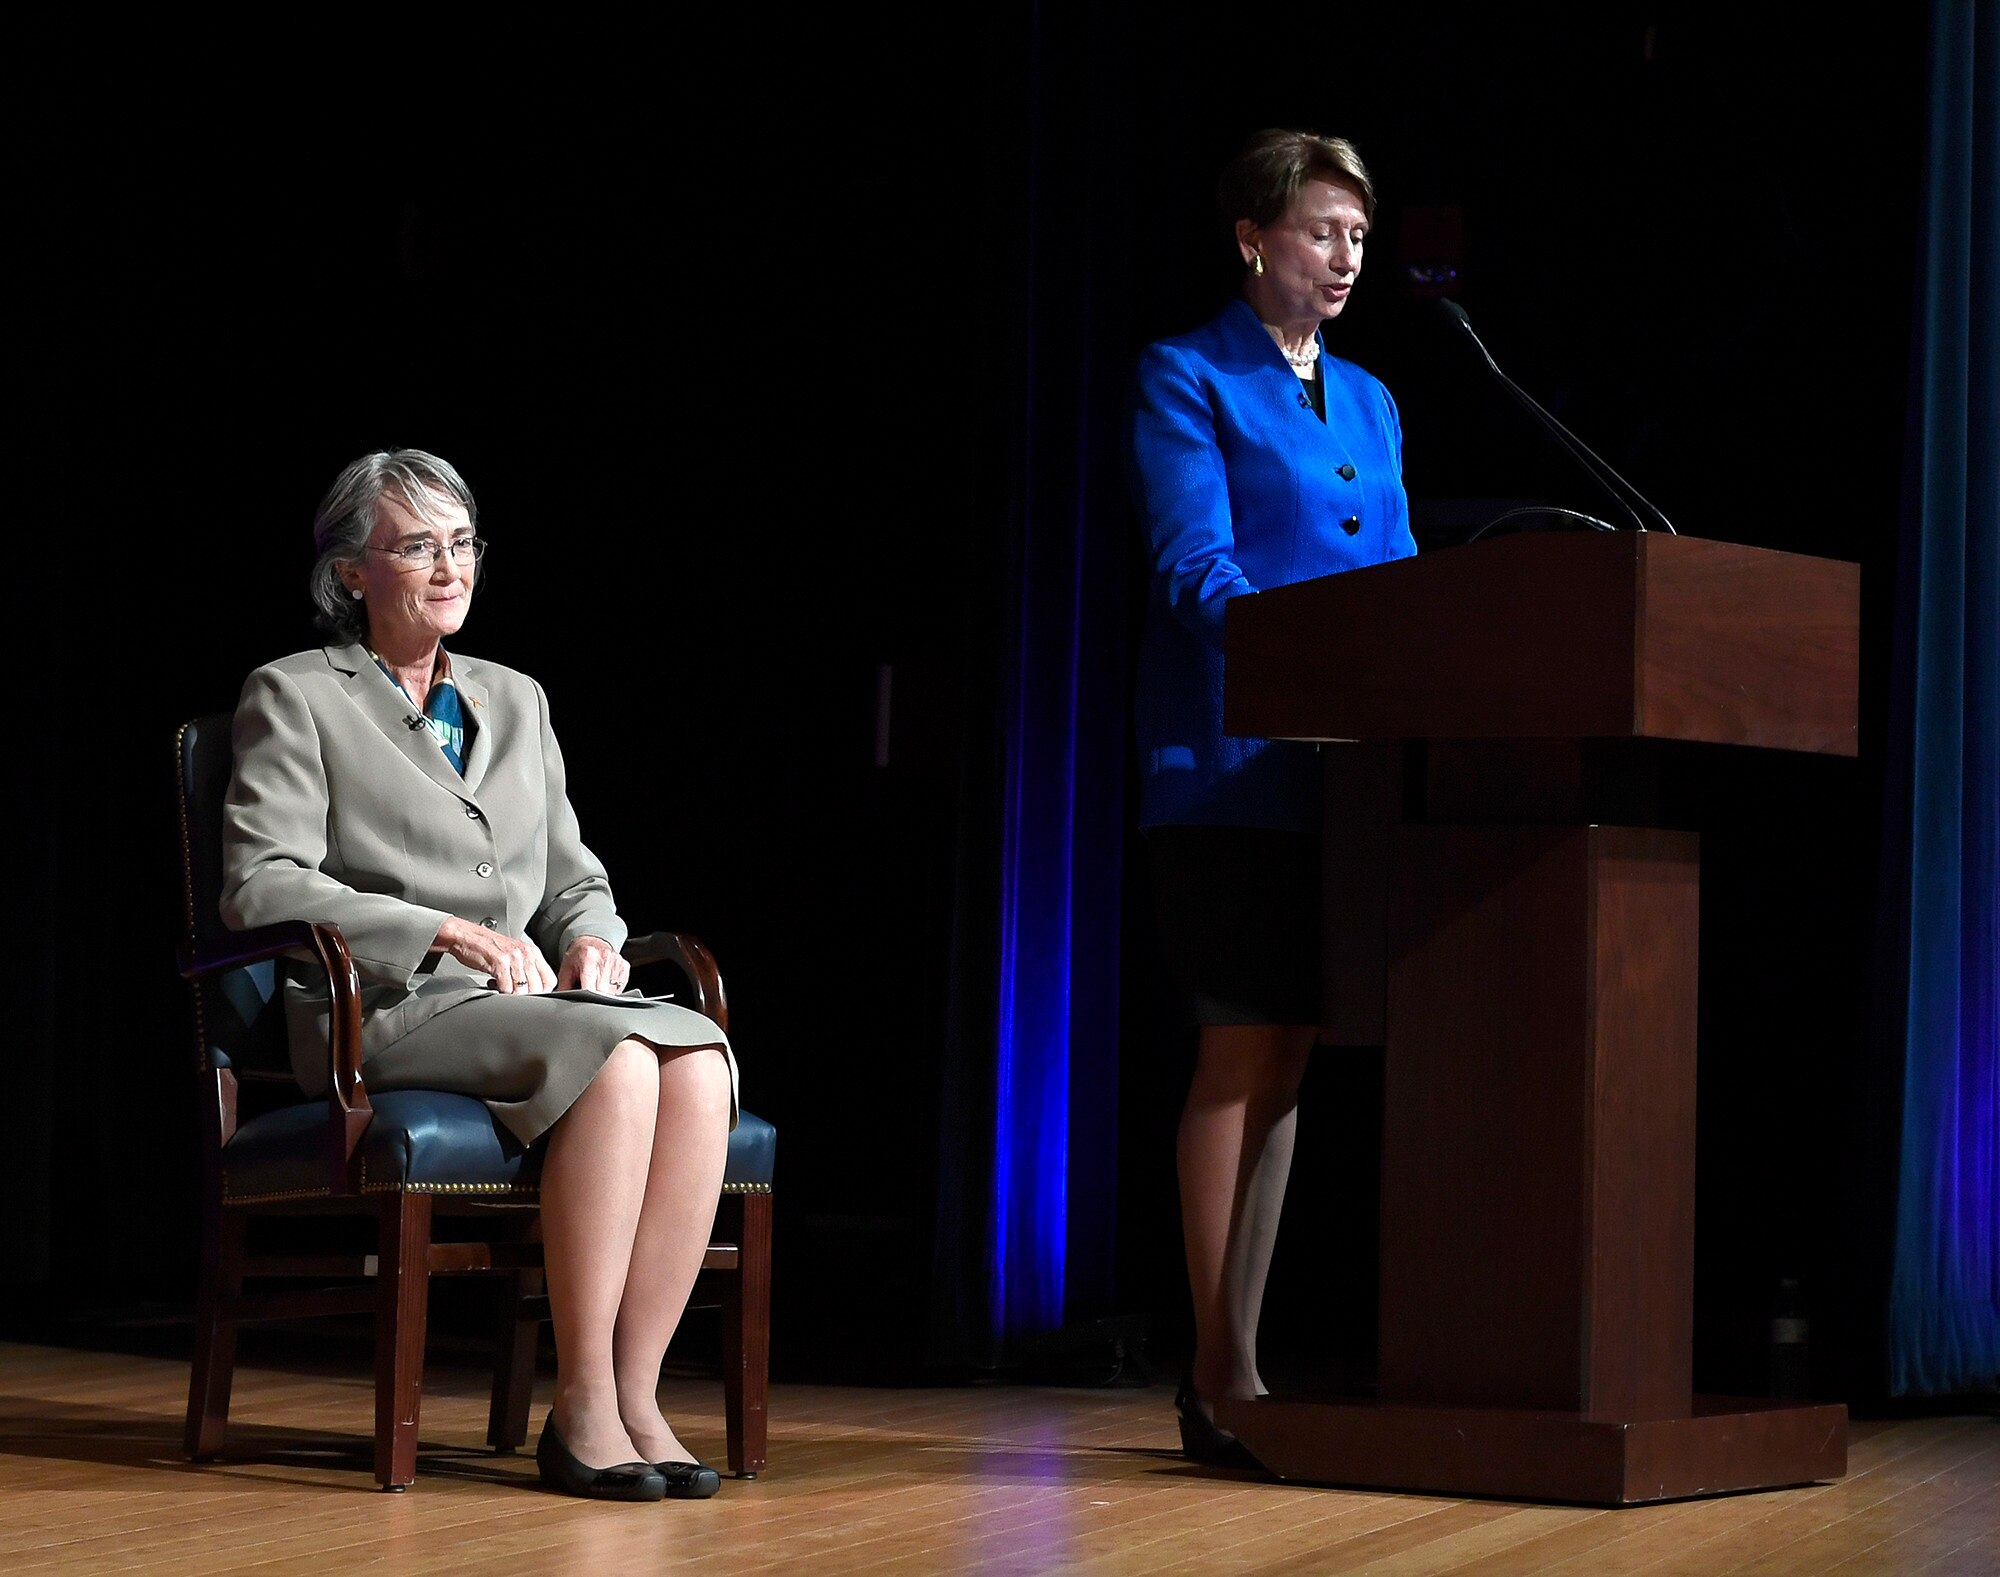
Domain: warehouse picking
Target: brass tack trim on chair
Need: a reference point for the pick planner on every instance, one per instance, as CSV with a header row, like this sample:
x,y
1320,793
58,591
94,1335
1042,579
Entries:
x,y
438,1188
187,885
383,1188
263,1199
187,848
397,1186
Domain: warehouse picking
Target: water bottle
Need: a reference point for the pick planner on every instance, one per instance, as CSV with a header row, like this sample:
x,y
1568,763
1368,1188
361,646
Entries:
x,y
1789,1369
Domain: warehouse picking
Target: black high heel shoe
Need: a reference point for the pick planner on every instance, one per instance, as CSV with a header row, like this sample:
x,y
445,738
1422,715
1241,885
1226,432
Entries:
x,y
1204,1440
688,1480
561,1471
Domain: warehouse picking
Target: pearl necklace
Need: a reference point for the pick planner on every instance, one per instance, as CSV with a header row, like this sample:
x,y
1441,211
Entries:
x,y
1302,361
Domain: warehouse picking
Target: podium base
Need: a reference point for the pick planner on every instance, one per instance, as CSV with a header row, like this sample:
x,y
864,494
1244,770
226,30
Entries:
x,y
1726,1445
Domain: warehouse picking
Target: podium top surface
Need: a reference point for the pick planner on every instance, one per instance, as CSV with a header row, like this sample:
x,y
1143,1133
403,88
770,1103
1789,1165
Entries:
x,y
1596,635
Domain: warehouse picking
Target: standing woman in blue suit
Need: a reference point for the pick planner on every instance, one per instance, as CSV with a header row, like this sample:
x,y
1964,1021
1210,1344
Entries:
x,y
1258,460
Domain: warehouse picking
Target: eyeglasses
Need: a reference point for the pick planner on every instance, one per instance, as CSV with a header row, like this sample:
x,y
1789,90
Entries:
x,y
424,552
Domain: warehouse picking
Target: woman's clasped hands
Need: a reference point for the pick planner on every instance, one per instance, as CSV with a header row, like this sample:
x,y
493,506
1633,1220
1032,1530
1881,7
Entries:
x,y
515,964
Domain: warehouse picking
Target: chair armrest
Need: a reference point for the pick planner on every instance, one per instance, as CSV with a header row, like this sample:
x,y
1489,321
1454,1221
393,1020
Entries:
x,y
235,949
347,1110
687,953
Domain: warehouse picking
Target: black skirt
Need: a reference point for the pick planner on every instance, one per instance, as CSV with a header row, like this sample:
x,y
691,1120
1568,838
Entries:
x,y
1238,910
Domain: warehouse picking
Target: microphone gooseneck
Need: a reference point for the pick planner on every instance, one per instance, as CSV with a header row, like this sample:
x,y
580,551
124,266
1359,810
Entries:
x,y
1628,497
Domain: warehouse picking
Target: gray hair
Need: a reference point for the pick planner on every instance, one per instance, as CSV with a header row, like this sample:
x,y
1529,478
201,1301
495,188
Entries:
x,y
346,520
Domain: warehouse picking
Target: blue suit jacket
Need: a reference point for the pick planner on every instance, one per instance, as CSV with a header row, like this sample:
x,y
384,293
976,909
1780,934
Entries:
x,y
1238,486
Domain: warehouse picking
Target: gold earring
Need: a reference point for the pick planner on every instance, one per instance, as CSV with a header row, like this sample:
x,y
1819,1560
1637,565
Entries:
x,y
1257,264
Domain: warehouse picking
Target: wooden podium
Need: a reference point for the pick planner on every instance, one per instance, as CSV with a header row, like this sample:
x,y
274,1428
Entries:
x,y
1530,968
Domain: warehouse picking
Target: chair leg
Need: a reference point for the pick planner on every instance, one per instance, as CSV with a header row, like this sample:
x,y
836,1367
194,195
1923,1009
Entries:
x,y
746,1339
514,1361
214,1365
402,1293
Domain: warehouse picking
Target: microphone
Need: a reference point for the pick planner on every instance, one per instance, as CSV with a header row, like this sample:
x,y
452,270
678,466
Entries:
x,y
1625,494
413,723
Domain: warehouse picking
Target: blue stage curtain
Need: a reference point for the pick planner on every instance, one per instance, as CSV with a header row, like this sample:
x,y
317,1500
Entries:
x,y
1049,1236
1943,768
1028,1176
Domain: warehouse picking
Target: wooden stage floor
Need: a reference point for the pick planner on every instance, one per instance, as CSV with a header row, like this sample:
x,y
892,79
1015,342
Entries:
x,y
979,1479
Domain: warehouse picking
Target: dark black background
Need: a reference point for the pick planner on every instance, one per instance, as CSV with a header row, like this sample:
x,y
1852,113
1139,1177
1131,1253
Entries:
x,y
724,319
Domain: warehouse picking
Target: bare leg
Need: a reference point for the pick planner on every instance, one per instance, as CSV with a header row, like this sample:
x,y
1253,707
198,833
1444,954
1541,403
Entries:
x,y
683,1182
593,1188
1235,1157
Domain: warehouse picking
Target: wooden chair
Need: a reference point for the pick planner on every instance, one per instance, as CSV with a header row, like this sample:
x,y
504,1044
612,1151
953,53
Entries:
x,y
405,1160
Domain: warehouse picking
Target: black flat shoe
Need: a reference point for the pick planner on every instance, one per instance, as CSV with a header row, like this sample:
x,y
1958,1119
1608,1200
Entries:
x,y
688,1480
1204,1440
561,1471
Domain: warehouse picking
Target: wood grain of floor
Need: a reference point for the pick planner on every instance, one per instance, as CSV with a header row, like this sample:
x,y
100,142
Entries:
x,y
994,1479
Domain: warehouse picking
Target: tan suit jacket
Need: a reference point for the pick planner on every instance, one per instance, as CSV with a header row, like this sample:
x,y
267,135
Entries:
x,y
340,810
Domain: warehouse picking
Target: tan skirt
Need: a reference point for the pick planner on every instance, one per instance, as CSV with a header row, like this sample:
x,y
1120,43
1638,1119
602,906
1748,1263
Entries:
x,y
530,1057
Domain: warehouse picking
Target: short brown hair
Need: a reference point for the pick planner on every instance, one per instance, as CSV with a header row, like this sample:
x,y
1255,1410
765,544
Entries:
x,y
1266,175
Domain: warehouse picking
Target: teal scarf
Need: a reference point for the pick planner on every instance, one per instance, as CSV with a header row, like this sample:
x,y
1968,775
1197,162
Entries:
x,y
444,712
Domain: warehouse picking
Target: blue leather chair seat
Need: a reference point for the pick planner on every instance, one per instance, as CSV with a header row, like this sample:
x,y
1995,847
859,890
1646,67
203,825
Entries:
x,y
429,1141
753,1150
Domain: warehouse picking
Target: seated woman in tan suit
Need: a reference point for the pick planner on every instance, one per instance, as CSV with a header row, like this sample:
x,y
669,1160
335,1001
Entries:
x,y
416,799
